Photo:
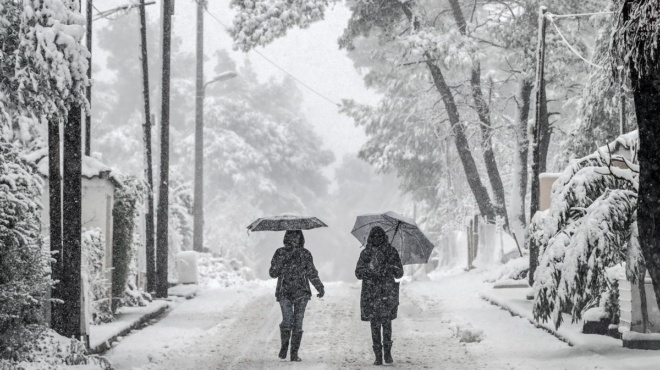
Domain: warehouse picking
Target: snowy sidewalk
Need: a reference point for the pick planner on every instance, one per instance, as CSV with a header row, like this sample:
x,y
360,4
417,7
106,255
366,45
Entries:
x,y
102,336
513,300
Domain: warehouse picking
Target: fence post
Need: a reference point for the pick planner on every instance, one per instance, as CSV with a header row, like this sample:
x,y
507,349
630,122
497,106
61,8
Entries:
x,y
469,246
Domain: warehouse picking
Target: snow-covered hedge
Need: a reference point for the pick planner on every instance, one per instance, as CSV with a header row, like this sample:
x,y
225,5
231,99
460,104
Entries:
x,y
51,351
590,227
128,199
24,265
98,287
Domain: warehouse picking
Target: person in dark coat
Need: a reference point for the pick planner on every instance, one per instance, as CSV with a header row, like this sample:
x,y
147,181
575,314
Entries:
x,y
378,266
293,266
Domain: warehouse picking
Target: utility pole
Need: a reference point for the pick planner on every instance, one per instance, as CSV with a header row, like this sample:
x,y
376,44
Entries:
x,y
148,171
55,213
198,200
88,92
537,134
163,188
72,224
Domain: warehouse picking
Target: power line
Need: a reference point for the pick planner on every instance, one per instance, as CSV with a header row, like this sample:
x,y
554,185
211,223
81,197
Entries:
x,y
551,19
280,68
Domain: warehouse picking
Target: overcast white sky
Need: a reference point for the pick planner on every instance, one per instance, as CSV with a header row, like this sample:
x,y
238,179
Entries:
x,y
311,55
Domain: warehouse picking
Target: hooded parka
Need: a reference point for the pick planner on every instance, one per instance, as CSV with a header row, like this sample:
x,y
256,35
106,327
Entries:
x,y
293,266
378,266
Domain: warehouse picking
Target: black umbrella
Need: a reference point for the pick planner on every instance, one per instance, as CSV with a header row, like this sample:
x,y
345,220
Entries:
x,y
286,222
404,235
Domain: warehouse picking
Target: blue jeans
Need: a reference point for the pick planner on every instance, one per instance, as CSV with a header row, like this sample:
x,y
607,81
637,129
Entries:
x,y
293,313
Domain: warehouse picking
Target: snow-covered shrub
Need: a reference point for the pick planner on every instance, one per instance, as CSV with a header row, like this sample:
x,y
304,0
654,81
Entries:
x,y
128,198
515,269
222,272
133,296
590,227
98,287
24,266
51,351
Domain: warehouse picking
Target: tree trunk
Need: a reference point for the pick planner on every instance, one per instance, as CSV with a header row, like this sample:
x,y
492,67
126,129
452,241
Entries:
x,y
526,88
540,123
647,109
163,188
487,143
148,170
198,200
462,146
479,191
72,224
55,214
483,111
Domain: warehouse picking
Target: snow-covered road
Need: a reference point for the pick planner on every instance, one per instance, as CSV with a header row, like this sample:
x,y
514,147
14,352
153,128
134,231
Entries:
x,y
237,328
209,332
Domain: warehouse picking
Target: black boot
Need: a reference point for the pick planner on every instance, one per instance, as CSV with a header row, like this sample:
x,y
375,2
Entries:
x,y
296,337
375,339
378,351
285,335
387,352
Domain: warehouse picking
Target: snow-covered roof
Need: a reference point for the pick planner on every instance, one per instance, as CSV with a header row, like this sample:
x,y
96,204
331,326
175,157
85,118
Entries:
x,y
91,167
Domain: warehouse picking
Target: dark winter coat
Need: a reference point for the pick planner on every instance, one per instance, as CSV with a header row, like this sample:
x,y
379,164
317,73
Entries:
x,y
293,266
378,266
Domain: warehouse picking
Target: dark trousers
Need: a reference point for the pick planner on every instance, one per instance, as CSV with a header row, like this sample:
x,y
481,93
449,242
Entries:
x,y
293,313
375,331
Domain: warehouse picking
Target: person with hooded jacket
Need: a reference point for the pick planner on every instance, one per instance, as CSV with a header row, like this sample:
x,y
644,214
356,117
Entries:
x,y
378,266
293,266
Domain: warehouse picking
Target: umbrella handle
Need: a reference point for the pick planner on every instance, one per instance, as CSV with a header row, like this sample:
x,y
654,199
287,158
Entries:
x,y
398,223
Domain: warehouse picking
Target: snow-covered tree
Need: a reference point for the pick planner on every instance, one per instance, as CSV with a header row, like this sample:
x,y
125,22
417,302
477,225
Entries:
x,y
635,47
43,64
24,265
591,226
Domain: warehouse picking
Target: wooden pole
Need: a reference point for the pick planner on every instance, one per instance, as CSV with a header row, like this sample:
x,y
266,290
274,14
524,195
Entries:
x,y
198,200
88,91
148,169
163,187
541,114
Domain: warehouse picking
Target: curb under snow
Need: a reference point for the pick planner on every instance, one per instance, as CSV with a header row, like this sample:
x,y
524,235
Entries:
x,y
495,301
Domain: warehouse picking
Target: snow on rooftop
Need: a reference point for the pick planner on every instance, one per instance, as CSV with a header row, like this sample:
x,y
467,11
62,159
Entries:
x,y
91,167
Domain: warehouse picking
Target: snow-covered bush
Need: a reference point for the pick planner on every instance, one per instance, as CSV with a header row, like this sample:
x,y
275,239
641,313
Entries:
x,y
515,269
590,227
51,351
217,271
98,287
128,198
24,266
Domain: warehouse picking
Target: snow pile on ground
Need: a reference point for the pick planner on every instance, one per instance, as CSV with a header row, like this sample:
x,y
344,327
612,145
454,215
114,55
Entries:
x,y
217,272
467,334
515,269
53,351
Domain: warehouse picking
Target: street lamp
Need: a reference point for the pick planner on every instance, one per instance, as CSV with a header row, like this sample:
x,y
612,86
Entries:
x,y
198,198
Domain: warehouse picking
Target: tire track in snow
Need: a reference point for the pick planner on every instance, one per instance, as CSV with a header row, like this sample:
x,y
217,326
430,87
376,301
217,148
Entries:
x,y
335,337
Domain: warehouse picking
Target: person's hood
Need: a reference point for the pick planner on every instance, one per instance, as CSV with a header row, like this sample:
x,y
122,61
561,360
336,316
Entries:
x,y
294,239
377,238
